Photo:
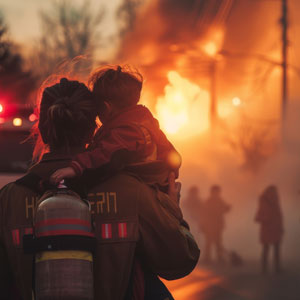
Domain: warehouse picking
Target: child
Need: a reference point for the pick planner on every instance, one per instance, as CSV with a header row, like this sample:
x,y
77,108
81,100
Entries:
x,y
129,136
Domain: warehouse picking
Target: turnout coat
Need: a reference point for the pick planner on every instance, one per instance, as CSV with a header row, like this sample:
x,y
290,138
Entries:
x,y
153,232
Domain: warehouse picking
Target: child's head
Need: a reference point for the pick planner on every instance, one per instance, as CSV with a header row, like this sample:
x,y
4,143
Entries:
x,y
118,86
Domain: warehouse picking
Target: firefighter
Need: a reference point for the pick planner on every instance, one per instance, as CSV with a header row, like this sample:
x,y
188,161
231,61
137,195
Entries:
x,y
139,229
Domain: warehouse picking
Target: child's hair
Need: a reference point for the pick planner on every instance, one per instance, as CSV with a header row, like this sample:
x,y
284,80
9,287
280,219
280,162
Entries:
x,y
118,85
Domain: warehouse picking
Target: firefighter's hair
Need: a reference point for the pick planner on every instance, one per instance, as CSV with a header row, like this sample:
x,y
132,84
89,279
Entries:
x,y
67,116
119,85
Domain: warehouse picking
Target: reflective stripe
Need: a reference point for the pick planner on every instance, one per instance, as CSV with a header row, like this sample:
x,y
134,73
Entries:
x,y
62,227
122,230
62,221
16,237
70,254
106,231
65,232
29,230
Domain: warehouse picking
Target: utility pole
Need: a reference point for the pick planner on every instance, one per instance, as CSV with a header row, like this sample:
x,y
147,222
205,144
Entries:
x,y
284,24
213,95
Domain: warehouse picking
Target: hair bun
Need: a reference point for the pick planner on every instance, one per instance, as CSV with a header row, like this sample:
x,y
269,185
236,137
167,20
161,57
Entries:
x,y
60,110
64,81
63,101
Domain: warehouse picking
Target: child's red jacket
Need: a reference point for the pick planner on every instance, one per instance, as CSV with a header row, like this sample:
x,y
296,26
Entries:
x,y
134,130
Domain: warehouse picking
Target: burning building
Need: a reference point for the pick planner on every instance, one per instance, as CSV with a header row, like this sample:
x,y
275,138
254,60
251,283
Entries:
x,y
218,64
220,46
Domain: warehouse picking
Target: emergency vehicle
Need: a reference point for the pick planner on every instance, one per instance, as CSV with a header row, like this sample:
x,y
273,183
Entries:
x,y
16,121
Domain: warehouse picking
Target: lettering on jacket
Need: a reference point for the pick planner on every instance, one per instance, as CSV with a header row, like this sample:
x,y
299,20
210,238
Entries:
x,y
30,206
101,203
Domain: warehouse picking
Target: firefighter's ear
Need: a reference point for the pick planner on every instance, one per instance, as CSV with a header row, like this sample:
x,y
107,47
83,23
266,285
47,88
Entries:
x,y
108,107
105,111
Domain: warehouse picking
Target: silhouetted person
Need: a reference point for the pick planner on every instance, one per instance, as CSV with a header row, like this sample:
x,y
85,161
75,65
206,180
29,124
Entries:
x,y
269,216
213,222
193,205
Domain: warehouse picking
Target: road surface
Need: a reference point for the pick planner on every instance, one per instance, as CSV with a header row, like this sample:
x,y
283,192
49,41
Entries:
x,y
243,283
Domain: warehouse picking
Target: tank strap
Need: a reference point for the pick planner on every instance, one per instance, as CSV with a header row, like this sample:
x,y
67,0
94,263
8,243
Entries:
x,y
32,245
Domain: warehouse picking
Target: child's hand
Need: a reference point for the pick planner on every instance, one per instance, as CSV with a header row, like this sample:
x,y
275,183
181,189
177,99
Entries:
x,y
61,174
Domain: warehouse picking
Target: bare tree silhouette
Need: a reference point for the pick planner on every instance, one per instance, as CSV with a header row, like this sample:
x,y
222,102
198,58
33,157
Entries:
x,y
68,31
16,84
127,15
254,143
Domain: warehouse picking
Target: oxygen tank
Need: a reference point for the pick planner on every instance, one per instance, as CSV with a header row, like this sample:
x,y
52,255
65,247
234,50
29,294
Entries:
x,y
64,266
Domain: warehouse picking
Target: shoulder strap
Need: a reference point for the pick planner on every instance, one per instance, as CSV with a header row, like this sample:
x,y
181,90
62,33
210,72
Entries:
x,y
31,181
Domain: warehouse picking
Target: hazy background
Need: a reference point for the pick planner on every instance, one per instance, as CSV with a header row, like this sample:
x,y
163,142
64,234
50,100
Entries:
x,y
235,44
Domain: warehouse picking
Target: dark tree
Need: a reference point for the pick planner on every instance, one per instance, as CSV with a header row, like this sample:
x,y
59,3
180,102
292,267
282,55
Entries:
x,y
127,15
254,142
68,31
16,84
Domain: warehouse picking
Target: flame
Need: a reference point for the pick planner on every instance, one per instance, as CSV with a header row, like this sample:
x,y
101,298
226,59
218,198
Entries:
x,y
215,42
194,286
210,49
236,101
184,109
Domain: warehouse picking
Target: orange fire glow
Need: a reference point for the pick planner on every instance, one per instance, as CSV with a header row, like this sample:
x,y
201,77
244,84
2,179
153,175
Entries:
x,y
214,44
236,101
184,109
190,287
210,49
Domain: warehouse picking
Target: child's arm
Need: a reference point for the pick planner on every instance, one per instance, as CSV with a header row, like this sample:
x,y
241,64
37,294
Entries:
x,y
128,138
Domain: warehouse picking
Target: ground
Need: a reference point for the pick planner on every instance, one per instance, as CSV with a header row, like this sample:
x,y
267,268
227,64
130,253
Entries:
x,y
237,283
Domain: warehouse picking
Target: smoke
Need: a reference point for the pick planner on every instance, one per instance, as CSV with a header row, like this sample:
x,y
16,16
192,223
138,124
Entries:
x,y
242,41
214,163
167,36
